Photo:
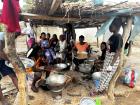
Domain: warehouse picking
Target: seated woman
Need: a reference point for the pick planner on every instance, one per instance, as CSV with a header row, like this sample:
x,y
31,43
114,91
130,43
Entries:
x,y
36,53
62,48
80,47
54,42
98,64
45,45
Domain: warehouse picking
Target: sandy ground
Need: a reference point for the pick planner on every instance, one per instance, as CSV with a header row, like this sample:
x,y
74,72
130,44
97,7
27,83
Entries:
x,y
45,97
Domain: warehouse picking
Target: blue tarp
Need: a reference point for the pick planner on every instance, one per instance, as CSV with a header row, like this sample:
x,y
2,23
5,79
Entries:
x,y
98,2
104,27
136,28
120,12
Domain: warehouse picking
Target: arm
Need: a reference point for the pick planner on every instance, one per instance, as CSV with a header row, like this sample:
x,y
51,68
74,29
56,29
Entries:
x,y
2,53
117,54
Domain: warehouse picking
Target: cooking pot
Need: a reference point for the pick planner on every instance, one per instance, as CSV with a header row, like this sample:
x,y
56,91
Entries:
x,y
61,66
56,82
85,68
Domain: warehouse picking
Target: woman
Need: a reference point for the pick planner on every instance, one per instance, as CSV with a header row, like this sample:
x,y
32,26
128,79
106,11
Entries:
x,y
111,60
30,35
98,64
53,42
45,45
62,48
80,47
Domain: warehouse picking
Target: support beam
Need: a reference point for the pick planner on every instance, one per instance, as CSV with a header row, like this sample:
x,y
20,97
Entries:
x,y
22,97
54,6
130,48
45,17
97,42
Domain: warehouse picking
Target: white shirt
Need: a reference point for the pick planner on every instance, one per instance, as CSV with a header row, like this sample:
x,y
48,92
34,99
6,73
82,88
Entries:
x,y
29,31
62,45
2,36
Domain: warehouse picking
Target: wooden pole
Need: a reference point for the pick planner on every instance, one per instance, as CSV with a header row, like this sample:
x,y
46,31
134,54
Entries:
x,y
97,39
126,31
130,48
19,68
97,42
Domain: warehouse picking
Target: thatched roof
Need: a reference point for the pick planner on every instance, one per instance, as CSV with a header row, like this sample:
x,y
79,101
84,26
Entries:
x,y
81,14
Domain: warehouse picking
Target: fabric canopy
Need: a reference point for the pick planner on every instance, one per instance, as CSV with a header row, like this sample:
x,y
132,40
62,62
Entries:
x,y
103,29
136,28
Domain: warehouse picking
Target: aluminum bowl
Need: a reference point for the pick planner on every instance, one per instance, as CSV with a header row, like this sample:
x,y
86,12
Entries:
x,y
55,79
61,66
56,82
96,75
85,68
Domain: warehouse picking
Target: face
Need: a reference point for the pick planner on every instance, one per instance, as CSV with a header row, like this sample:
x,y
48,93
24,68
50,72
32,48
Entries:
x,y
102,46
43,36
113,29
54,36
81,40
48,36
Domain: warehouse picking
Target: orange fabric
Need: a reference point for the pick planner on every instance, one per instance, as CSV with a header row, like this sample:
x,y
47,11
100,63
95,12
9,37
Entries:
x,y
81,48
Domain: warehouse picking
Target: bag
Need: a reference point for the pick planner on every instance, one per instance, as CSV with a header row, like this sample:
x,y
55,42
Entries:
x,y
130,77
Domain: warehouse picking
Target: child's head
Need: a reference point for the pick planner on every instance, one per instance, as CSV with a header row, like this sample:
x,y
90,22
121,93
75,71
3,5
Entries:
x,y
48,35
43,35
62,37
103,46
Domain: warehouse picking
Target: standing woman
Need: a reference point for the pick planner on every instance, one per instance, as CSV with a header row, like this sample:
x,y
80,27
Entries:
x,y
112,59
30,39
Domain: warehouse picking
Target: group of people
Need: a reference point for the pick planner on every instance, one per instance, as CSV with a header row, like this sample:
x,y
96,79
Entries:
x,y
47,50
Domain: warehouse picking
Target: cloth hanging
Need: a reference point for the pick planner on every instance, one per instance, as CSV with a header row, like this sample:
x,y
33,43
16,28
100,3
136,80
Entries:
x,y
10,15
136,31
104,27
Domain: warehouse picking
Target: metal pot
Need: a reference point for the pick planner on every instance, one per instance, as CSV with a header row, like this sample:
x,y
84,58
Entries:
x,y
61,66
85,68
56,82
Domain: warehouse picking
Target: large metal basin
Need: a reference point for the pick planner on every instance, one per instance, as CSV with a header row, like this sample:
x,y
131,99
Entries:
x,y
85,68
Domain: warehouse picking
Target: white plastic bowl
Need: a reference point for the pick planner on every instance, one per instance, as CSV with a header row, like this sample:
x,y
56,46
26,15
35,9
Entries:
x,y
96,75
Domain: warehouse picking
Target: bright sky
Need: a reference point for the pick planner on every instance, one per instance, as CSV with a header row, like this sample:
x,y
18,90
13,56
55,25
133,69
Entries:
x,y
107,1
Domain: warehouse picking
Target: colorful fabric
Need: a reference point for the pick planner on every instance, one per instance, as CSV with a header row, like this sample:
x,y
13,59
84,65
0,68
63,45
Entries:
x,y
107,76
44,43
10,15
81,48
49,53
30,42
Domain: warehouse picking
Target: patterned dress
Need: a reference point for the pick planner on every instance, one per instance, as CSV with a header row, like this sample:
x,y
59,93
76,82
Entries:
x,y
107,75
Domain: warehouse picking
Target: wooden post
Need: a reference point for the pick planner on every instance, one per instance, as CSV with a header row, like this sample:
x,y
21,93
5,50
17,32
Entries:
x,y
97,38
97,42
130,48
125,36
19,67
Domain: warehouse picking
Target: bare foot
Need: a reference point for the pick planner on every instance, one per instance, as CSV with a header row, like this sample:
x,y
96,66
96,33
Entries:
x,y
34,89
